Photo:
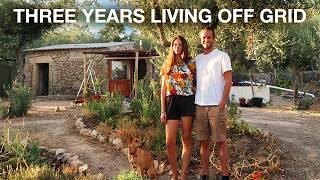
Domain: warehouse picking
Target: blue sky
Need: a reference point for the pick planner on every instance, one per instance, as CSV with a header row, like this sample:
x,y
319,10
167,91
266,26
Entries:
x,y
105,4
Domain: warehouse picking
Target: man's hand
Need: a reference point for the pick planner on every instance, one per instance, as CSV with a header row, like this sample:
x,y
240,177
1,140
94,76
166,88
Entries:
x,y
222,105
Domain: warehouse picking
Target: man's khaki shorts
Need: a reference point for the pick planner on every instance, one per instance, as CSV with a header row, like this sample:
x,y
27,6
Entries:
x,y
210,121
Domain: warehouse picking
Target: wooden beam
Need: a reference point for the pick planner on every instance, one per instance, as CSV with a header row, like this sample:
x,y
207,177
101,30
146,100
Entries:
x,y
128,58
84,76
136,70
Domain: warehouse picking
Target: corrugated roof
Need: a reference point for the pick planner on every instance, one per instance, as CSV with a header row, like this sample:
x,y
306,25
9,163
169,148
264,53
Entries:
x,y
81,46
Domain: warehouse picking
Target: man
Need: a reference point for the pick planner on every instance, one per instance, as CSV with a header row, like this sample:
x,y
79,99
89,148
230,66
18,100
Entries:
x,y
214,80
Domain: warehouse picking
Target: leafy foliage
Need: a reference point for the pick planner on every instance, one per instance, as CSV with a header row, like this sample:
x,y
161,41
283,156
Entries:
x,y
148,102
128,175
20,100
4,110
305,103
107,108
66,34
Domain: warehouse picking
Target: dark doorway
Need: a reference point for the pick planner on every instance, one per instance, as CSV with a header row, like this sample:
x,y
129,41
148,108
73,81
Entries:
x,y
5,78
43,79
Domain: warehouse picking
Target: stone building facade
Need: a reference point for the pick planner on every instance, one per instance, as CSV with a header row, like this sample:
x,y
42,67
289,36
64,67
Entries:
x,y
58,70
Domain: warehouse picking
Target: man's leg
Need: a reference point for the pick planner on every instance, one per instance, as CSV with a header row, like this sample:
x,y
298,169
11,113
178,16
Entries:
x,y
171,136
204,155
224,157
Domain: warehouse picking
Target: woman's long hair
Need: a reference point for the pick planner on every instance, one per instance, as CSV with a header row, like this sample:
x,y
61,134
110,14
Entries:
x,y
170,61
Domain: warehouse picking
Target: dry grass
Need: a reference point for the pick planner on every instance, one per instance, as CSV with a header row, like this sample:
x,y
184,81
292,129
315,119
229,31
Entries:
x,y
127,129
104,129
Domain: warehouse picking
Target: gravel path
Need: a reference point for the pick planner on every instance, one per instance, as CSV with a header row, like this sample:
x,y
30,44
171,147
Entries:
x,y
299,134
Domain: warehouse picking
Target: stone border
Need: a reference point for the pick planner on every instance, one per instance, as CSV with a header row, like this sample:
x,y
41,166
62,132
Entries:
x,y
64,157
160,166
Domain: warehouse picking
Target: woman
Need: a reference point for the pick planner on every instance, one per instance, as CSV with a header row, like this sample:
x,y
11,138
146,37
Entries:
x,y
177,102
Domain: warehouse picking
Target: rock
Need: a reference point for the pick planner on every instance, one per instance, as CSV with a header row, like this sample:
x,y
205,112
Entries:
x,y
101,138
83,168
60,151
76,163
94,133
118,143
162,168
24,142
124,151
156,164
85,132
58,109
43,149
111,139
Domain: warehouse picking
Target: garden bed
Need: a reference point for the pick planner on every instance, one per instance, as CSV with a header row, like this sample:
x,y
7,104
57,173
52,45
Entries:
x,y
252,153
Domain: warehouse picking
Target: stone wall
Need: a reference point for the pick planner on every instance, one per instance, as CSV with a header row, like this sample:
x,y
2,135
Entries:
x,y
65,70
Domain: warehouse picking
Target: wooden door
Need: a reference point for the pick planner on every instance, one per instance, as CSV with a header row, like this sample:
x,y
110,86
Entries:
x,y
120,76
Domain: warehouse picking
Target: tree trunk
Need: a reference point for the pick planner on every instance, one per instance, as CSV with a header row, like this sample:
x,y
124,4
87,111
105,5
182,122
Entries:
x,y
162,35
20,66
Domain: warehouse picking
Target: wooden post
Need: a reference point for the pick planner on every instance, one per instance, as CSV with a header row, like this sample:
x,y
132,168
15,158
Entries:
x,y
84,76
136,69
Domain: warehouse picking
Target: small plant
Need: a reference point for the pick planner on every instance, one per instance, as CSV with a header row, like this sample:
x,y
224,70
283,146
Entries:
x,y
45,172
136,105
148,102
104,128
127,129
233,111
305,103
235,123
158,141
283,79
128,175
20,100
4,110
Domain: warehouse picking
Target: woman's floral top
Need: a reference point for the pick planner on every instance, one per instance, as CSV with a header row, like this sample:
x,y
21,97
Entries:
x,y
180,80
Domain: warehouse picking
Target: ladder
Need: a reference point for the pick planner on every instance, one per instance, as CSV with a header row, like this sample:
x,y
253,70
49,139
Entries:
x,y
91,76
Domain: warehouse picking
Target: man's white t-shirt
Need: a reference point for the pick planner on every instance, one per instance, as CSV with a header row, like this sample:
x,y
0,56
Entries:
x,y
210,80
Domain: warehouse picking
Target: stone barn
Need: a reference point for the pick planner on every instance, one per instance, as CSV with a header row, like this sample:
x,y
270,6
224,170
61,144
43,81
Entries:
x,y
58,70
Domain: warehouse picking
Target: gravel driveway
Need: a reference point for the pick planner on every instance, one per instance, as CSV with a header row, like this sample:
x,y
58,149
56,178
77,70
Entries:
x,y
298,133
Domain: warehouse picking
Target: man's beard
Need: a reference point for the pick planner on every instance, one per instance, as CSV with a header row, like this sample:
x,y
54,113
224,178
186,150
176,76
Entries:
x,y
208,46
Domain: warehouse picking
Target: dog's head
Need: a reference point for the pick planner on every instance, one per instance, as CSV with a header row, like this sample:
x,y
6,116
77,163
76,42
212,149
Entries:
x,y
134,143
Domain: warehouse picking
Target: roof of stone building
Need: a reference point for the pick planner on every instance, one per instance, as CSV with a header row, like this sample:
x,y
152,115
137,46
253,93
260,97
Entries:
x,y
81,46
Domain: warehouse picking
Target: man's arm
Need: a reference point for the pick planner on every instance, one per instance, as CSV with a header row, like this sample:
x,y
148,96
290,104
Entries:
x,y
226,90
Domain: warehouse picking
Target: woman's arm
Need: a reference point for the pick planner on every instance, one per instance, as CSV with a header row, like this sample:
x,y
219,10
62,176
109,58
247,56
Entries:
x,y
163,99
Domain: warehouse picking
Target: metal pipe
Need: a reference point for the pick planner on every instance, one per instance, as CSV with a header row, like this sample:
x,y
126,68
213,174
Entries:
x,y
280,88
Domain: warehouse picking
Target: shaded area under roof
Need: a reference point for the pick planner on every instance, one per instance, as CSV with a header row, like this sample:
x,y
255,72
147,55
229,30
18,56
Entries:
x,y
125,53
80,46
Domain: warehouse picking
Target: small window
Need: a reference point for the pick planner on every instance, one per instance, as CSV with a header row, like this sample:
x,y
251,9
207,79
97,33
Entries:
x,y
120,70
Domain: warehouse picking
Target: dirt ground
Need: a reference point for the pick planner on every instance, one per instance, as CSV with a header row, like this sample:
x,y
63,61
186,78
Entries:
x,y
56,130
297,131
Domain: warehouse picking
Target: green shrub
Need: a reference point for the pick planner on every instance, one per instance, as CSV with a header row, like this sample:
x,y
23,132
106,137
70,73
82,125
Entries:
x,y
305,103
20,100
148,102
44,172
128,175
4,110
16,154
283,79
236,124
136,105
233,112
108,107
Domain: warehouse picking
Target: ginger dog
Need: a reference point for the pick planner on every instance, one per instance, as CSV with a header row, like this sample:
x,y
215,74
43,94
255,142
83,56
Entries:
x,y
134,143
141,159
